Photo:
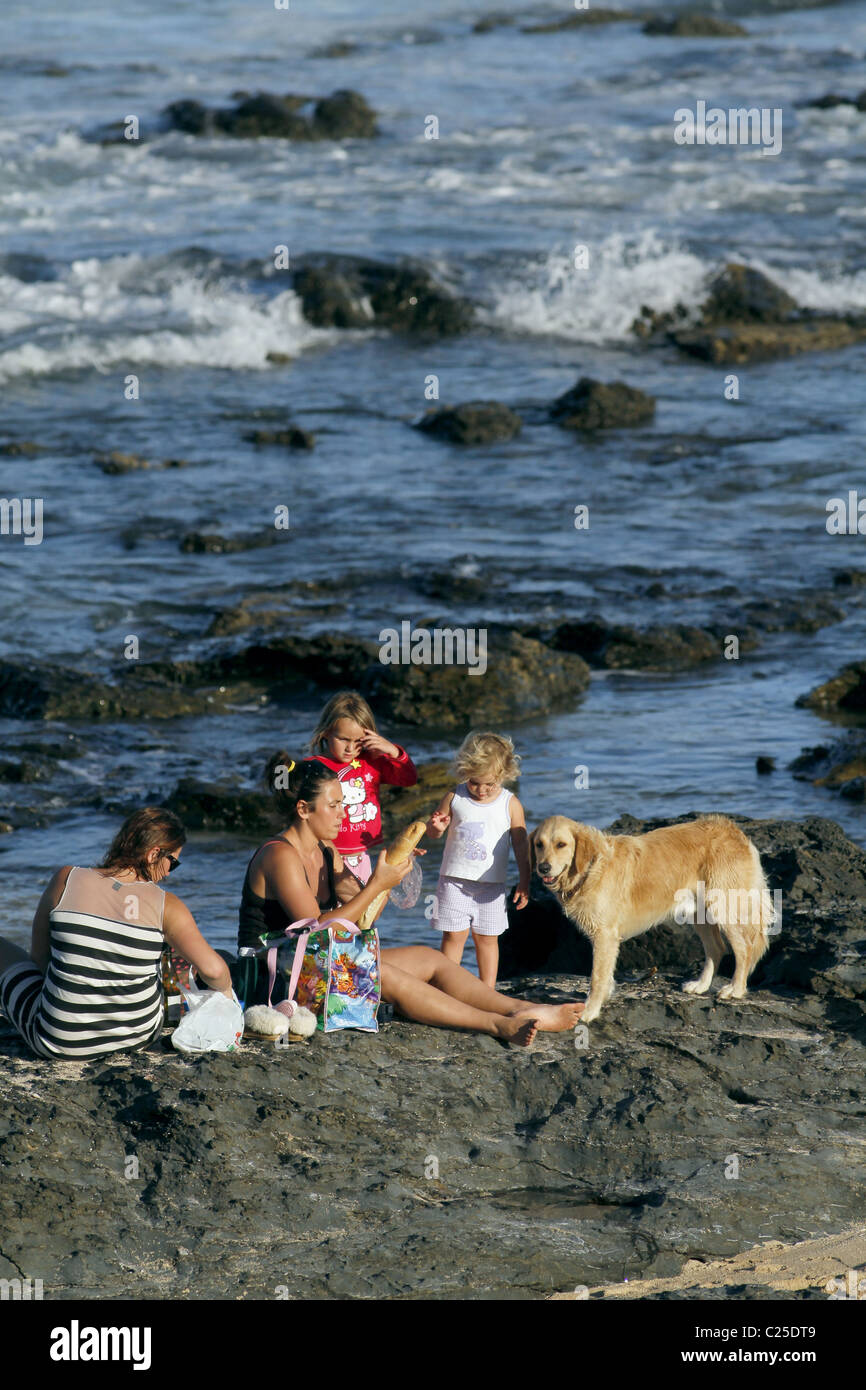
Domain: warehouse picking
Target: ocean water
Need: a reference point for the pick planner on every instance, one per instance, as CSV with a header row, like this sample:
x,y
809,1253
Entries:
x,y
156,259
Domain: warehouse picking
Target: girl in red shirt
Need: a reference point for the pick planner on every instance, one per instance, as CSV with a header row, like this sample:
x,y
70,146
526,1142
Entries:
x,y
347,741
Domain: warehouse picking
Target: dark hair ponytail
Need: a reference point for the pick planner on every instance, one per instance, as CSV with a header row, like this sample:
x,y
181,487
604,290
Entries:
x,y
291,782
153,827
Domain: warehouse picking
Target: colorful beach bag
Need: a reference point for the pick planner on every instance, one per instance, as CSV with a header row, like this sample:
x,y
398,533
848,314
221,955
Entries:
x,y
335,971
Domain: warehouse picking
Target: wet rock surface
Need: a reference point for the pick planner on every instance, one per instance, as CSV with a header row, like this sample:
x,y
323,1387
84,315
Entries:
x,y
692,24
839,766
746,317
475,422
844,693
356,292
291,437
343,115
598,405
523,678
423,1163
615,646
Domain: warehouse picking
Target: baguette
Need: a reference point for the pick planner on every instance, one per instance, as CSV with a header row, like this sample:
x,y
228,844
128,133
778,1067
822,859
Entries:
x,y
396,853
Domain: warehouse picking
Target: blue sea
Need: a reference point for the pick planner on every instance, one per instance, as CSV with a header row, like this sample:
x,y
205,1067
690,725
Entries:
x,y
155,259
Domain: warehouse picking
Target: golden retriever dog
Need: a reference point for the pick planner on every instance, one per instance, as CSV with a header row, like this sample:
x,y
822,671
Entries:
x,y
613,887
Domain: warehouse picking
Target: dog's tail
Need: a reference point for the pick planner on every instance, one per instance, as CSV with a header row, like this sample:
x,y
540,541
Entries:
x,y
766,913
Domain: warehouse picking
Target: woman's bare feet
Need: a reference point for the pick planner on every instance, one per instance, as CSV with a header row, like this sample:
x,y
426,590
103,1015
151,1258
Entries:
x,y
517,1029
552,1018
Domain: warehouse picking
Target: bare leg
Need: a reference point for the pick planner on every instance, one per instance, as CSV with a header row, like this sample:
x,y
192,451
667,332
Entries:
x,y
487,955
432,967
10,954
453,943
425,1003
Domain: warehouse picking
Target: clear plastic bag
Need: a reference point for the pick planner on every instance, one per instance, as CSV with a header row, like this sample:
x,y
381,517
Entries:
x,y
213,1024
408,890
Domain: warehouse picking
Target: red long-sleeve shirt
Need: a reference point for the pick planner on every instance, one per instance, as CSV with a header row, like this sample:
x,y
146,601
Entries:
x,y
362,822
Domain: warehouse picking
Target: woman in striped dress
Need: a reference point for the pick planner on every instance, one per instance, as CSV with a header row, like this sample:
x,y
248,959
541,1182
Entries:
x,y
91,983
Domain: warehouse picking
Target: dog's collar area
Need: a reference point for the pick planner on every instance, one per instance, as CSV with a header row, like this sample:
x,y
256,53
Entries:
x,y
582,880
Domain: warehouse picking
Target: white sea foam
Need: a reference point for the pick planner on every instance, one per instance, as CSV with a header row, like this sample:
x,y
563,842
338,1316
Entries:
x,y
600,303
128,312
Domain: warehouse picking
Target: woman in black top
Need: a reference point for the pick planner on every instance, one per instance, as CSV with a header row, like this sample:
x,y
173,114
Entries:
x,y
300,874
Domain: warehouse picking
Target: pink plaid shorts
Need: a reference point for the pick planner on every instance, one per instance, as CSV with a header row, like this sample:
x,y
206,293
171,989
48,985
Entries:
x,y
461,904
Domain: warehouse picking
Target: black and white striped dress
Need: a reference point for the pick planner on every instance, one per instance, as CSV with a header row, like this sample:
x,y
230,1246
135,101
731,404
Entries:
x,y
102,990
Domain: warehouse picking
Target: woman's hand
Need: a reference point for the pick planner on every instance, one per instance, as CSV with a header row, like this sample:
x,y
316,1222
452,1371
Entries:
x,y
387,876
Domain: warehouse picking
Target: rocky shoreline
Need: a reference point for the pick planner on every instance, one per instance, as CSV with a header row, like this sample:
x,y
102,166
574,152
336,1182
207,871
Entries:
x,y
422,1163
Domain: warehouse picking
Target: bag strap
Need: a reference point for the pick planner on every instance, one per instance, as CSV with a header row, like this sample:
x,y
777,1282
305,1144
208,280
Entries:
x,y
307,924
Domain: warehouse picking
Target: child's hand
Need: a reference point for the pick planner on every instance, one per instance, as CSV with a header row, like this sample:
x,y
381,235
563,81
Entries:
x,y
438,824
375,743
521,898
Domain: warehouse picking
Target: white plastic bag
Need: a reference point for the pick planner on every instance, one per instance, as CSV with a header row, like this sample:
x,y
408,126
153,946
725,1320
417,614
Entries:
x,y
408,889
213,1023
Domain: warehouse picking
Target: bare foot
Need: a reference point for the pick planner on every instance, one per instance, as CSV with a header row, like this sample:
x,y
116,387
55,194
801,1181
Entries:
x,y
516,1029
552,1018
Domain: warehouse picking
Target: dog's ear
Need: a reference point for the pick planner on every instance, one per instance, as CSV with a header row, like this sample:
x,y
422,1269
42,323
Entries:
x,y
532,851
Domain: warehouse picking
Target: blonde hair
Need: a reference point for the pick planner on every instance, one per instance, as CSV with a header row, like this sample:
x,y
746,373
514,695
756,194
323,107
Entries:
x,y
346,704
487,754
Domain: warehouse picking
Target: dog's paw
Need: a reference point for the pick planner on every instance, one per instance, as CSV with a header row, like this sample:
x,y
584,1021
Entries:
x,y
728,992
694,987
591,1012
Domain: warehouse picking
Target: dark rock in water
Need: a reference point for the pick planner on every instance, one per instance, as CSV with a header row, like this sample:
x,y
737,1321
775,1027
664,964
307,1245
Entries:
x,y
523,679
211,543
277,665
475,422
748,318
425,1163
492,21
208,806
192,117
118,462
734,344
674,647
264,114
340,48
330,299
353,292
344,115
20,448
845,691
460,581
591,15
743,295
692,24
831,99
841,766
806,613
596,405
38,693
765,765
25,771
292,437
266,611
849,579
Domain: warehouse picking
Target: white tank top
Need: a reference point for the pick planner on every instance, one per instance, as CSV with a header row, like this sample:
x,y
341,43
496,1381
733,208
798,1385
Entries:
x,y
479,837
